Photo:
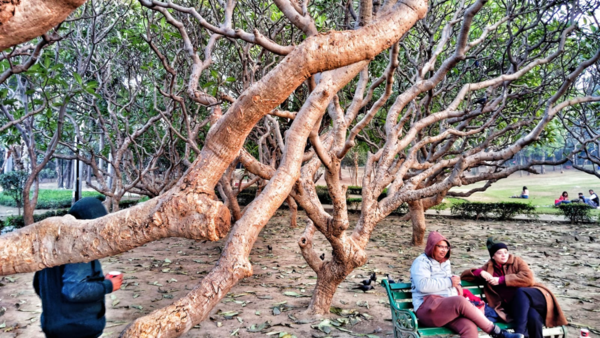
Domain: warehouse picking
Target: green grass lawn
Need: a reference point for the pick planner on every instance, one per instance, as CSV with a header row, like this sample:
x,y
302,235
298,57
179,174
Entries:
x,y
49,198
543,189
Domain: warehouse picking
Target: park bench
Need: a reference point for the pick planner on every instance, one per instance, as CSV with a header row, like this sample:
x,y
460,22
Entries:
x,y
406,323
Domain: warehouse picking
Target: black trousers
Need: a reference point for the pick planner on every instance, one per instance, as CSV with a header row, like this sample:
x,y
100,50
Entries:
x,y
528,310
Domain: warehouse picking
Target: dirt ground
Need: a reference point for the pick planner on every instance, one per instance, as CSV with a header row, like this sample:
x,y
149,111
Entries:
x,y
274,298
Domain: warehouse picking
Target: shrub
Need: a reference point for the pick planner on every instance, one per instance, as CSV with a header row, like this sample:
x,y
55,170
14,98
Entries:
x,y
576,212
353,202
18,222
508,210
500,210
52,199
323,194
124,204
12,184
401,210
440,207
354,190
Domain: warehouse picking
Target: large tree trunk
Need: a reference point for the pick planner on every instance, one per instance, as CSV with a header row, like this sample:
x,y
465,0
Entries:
x,y
417,218
293,212
416,214
355,175
61,240
8,162
29,204
543,166
224,141
520,163
59,173
328,279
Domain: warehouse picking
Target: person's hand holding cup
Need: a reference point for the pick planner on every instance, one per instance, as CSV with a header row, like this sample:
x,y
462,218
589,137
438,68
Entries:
x,y
116,278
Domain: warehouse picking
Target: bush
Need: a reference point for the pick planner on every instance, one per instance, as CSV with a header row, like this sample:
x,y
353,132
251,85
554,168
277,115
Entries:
x,y
354,190
323,194
500,210
12,184
18,222
124,204
576,212
401,210
353,202
438,208
52,199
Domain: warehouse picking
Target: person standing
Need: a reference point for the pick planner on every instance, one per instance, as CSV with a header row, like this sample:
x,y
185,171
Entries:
x,y
438,297
511,289
73,294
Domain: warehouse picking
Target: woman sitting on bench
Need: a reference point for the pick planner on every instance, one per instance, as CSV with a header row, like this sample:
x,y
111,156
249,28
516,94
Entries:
x,y
510,289
437,294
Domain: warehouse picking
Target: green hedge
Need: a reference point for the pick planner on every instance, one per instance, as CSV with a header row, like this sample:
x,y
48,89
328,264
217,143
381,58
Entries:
x,y
248,195
576,212
500,210
51,199
18,222
354,190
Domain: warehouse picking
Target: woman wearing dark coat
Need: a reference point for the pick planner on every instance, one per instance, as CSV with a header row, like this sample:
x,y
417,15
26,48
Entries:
x,y
511,289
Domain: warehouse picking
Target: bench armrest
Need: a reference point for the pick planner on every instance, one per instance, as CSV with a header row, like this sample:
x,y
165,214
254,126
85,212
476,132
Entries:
x,y
405,320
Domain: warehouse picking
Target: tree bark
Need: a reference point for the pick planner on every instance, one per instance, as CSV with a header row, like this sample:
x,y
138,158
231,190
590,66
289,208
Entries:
x,y
30,204
327,284
23,20
293,212
59,174
355,176
68,177
61,240
417,218
316,54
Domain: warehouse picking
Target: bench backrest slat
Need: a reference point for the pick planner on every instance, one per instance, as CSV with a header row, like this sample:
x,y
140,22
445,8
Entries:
x,y
401,293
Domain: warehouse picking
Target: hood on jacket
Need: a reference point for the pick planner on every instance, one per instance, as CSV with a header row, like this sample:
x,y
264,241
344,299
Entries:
x,y
433,239
88,208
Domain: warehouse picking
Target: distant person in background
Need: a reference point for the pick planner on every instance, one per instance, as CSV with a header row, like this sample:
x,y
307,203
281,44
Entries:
x,y
594,197
524,194
73,294
563,199
587,201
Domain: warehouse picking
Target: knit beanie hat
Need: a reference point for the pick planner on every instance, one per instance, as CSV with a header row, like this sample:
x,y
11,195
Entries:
x,y
492,250
88,208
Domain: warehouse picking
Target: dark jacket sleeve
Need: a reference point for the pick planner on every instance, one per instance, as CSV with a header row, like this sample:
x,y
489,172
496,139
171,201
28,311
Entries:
x,y
78,287
521,276
36,283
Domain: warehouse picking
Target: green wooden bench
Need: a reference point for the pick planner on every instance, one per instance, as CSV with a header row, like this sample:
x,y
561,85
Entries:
x,y
406,323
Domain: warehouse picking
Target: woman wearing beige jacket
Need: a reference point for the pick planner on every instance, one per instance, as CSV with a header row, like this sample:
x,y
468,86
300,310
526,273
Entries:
x,y
510,289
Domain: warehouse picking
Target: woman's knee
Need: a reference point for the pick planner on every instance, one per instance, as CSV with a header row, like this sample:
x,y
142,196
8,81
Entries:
x,y
461,302
520,296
